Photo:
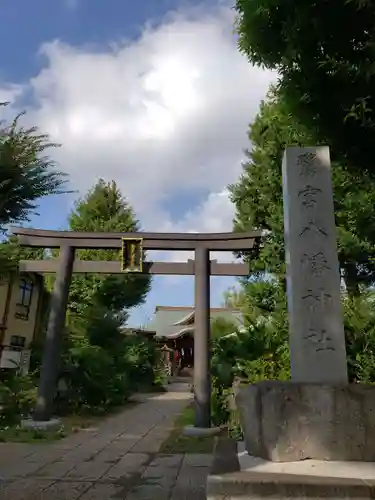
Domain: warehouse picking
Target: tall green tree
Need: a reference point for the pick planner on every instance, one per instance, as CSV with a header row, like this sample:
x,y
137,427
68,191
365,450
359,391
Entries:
x,y
257,197
26,172
105,209
324,53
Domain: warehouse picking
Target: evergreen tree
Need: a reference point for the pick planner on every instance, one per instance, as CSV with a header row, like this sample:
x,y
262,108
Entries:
x,y
324,55
26,173
104,209
259,205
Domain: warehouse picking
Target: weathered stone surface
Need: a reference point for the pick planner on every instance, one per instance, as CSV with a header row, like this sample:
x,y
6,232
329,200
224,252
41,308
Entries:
x,y
89,471
22,468
10,452
255,478
149,492
191,483
24,489
289,421
167,461
317,340
65,490
56,470
104,491
225,457
159,476
197,460
130,464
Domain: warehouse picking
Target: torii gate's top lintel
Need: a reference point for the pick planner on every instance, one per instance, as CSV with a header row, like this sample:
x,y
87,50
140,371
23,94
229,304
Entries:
x,y
150,241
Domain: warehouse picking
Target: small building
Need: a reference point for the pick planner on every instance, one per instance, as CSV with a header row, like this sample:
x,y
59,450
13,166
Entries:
x,y
173,328
20,317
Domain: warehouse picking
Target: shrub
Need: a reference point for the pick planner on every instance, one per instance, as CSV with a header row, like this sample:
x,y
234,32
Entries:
x,y
92,378
17,398
359,321
257,351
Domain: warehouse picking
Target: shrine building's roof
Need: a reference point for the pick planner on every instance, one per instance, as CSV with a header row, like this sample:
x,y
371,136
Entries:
x,y
173,322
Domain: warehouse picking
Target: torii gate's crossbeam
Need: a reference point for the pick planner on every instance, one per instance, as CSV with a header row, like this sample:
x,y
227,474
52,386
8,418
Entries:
x,y
150,241
201,267
114,267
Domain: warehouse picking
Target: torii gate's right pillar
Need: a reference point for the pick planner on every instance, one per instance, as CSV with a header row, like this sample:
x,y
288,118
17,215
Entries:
x,y
202,352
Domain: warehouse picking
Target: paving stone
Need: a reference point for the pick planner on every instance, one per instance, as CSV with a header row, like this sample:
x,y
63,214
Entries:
x,y
19,469
14,451
45,455
131,436
79,455
197,460
160,476
159,430
124,445
146,492
147,445
191,483
71,442
128,465
104,492
167,461
65,490
4,483
110,455
56,470
25,489
104,437
190,494
89,471
89,449
139,429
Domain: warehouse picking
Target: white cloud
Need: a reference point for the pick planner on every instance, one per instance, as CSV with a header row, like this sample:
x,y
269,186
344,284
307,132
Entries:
x,y
10,93
214,215
166,113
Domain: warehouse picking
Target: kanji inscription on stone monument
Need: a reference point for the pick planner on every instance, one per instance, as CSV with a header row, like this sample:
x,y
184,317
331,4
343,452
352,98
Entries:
x,y
317,340
307,164
320,340
315,263
317,301
309,196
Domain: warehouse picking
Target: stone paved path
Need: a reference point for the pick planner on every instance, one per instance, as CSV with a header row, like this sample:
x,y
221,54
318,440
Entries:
x,y
116,460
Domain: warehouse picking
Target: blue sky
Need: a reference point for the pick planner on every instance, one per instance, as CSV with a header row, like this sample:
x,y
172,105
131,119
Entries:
x,y
153,94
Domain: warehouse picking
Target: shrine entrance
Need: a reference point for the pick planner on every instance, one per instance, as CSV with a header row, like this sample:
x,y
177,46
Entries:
x,y
132,246
180,357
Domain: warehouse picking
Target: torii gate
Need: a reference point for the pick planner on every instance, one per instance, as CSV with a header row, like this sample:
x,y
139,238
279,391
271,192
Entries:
x,y
132,246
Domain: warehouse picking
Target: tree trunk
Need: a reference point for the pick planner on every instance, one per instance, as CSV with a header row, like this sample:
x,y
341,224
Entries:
x,y
351,280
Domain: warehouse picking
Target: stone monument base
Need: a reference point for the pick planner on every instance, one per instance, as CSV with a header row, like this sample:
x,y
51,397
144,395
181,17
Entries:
x,y
237,475
289,421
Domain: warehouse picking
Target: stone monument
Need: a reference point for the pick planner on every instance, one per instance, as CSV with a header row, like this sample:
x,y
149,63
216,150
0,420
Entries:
x,y
313,436
317,414
317,340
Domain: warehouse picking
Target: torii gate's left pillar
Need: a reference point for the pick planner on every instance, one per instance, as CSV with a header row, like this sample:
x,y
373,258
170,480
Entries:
x,y
55,331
